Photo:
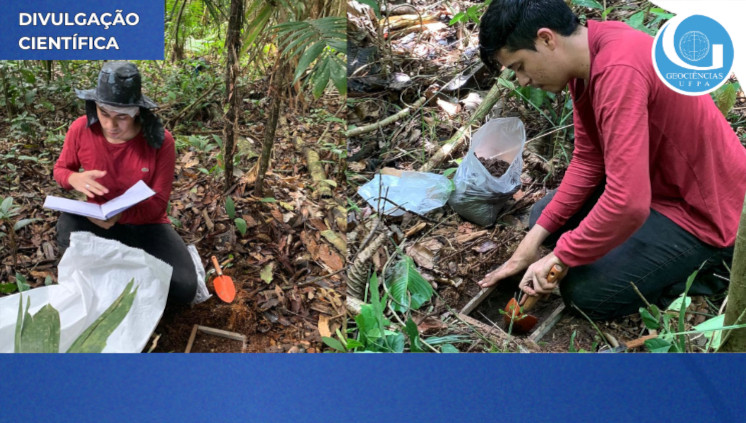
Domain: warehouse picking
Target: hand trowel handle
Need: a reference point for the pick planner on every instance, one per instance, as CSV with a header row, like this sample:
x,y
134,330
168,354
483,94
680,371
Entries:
x,y
217,265
552,276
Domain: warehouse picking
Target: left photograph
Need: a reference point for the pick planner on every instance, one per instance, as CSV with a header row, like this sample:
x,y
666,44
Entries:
x,y
194,204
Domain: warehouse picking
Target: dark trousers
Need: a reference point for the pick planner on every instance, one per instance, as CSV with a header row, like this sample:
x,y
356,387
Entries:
x,y
158,240
658,258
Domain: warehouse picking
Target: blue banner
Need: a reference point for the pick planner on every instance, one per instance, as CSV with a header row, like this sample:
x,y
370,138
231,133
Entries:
x,y
82,30
374,388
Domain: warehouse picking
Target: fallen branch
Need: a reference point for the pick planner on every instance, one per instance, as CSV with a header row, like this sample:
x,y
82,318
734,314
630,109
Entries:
x,y
458,139
315,169
393,118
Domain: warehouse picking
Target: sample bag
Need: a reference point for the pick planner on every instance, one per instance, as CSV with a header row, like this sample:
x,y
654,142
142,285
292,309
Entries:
x,y
479,196
92,274
418,192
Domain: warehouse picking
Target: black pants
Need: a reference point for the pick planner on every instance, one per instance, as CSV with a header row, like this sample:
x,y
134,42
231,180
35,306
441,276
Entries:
x,y
158,240
658,258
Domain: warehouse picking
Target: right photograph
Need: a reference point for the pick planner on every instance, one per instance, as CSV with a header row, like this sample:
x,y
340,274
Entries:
x,y
543,176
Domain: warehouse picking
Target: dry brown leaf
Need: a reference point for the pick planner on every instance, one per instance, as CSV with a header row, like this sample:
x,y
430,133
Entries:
x,y
464,238
323,326
451,109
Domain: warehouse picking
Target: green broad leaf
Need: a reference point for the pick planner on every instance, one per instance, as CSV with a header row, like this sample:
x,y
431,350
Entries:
x,y
655,311
48,280
710,328
338,73
395,342
637,21
40,333
268,200
414,336
505,83
353,343
175,221
267,272
593,4
230,207
93,339
606,12
307,58
8,288
657,345
458,17
650,322
572,348
28,76
676,304
6,205
22,283
725,98
23,223
320,77
240,225
333,343
449,349
473,13
450,171
373,5
409,289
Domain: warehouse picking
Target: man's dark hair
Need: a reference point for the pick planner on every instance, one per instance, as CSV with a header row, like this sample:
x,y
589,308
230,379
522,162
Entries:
x,y
513,24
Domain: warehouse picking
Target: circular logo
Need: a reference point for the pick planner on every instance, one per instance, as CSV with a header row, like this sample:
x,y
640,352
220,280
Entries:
x,y
694,46
693,55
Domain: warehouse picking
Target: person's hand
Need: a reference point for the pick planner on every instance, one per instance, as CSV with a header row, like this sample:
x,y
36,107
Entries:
x,y
106,224
85,182
535,282
526,253
520,260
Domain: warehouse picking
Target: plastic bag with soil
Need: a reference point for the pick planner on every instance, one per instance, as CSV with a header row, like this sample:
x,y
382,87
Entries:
x,y
479,195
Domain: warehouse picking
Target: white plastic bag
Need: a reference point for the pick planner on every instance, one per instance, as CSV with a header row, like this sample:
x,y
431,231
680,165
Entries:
x,y
479,196
202,294
418,192
92,274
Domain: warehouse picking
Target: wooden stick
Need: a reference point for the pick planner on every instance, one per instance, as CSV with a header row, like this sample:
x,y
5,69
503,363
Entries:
x,y
393,118
458,139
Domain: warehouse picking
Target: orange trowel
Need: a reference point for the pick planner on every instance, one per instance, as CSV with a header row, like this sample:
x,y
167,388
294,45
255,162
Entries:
x,y
223,285
523,322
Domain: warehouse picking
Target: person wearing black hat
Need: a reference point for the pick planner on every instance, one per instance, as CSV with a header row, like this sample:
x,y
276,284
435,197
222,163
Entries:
x,y
117,143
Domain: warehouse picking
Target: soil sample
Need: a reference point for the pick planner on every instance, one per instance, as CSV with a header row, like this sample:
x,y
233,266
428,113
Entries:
x,y
495,166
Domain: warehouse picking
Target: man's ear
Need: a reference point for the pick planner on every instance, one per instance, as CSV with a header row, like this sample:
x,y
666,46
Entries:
x,y
546,37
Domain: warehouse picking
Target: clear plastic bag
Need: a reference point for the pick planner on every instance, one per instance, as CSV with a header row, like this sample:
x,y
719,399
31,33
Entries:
x,y
418,192
479,196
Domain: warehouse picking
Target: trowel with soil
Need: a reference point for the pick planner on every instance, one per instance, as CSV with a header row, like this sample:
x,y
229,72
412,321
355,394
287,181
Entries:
x,y
522,322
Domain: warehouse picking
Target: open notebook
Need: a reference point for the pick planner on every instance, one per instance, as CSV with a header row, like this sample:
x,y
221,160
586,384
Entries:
x,y
137,193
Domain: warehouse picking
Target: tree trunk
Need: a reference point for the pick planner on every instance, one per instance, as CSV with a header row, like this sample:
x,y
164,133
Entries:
x,y
276,86
178,48
735,341
233,50
6,92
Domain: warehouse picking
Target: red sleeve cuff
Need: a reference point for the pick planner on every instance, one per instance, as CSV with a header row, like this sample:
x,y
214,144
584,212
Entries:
x,y
547,223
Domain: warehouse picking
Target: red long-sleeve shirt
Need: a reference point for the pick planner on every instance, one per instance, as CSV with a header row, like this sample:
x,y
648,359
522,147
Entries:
x,y
657,149
125,164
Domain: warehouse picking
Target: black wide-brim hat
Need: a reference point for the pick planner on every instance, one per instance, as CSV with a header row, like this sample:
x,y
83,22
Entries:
x,y
119,84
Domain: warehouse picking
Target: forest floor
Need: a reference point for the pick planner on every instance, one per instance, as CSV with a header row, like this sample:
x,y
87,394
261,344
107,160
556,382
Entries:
x,y
422,55
287,264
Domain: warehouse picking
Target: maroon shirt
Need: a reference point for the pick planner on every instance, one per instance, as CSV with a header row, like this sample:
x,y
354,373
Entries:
x,y
657,149
125,164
